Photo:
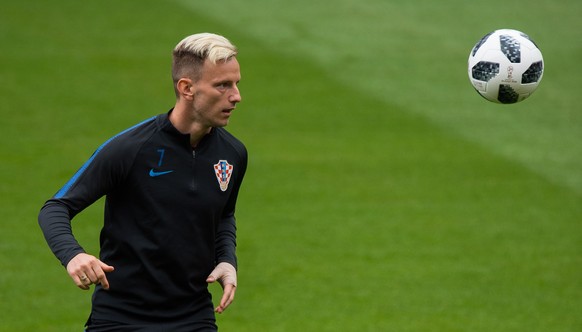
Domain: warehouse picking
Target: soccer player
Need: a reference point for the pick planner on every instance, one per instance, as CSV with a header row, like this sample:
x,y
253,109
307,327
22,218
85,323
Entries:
x,y
171,184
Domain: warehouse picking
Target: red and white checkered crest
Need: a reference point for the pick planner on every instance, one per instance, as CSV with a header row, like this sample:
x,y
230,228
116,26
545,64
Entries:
x,y
223,171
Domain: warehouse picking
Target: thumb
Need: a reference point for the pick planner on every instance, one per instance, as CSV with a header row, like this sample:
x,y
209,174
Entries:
x,y
211,279
214,275
224,272
217,273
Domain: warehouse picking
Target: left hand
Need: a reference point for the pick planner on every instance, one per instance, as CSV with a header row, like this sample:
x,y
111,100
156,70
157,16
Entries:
x,y
225,274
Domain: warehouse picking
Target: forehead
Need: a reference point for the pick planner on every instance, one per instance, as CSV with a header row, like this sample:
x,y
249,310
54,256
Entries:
x,y
222,70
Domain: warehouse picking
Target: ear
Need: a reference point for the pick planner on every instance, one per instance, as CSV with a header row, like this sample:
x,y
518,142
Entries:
x,y
185,88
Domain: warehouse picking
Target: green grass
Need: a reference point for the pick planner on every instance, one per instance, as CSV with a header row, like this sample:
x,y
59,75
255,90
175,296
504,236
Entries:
x,y
382,195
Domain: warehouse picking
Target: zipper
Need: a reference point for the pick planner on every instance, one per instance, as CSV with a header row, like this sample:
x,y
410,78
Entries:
x,y
193,181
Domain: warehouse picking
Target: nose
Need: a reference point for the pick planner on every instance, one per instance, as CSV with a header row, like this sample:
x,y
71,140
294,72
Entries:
x,y
235,97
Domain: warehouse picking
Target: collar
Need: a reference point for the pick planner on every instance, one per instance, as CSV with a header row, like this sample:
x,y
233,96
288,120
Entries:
x,y
163,121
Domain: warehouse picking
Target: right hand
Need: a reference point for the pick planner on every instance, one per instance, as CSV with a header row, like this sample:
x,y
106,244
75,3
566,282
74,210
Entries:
x,y
85,270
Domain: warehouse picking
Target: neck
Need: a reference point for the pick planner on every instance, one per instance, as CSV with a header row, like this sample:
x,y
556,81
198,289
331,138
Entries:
x,y
188,126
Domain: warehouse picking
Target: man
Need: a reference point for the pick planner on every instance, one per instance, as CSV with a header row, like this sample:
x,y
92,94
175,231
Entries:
x,y
171,185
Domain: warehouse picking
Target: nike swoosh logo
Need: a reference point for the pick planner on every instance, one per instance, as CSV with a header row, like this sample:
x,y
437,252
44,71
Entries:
x,y
153,173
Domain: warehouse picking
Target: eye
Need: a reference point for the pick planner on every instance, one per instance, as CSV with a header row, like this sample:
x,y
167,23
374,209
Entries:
x,y
222,86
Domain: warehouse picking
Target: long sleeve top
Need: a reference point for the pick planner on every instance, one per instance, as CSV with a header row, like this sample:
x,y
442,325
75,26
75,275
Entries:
x,y
169,219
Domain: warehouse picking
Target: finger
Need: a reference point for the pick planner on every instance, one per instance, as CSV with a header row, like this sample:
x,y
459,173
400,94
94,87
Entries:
x,y
92,277
227,298
81,283
103,278
85,280
96,275
105,267
100,275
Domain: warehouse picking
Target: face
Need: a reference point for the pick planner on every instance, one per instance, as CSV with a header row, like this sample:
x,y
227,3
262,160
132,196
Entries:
x,y
216,93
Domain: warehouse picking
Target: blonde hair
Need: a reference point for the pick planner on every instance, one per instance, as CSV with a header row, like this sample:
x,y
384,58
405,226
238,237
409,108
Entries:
x,y
191,52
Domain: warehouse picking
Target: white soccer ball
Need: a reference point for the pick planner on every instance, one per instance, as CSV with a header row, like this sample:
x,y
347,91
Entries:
x,y
505,66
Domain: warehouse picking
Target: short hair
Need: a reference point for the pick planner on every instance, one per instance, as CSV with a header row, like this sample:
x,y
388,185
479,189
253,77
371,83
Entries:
x,y
190,53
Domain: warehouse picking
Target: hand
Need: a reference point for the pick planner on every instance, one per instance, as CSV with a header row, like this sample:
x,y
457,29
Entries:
x,y
85,270
225,273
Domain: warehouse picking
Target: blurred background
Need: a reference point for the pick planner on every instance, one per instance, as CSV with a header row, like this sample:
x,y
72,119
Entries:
x,y
383,193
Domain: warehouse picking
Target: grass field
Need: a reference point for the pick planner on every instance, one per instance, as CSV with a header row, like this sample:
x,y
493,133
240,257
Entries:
x,y
383,194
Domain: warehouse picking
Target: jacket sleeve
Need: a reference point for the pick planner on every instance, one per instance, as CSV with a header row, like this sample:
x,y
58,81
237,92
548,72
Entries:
x,y
54,220
92,181
226,232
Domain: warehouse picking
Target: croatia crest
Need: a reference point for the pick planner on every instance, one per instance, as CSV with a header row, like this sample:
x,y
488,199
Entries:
x,y
223,171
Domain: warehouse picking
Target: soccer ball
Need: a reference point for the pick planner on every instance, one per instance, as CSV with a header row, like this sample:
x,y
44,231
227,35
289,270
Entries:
x,y
505,66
